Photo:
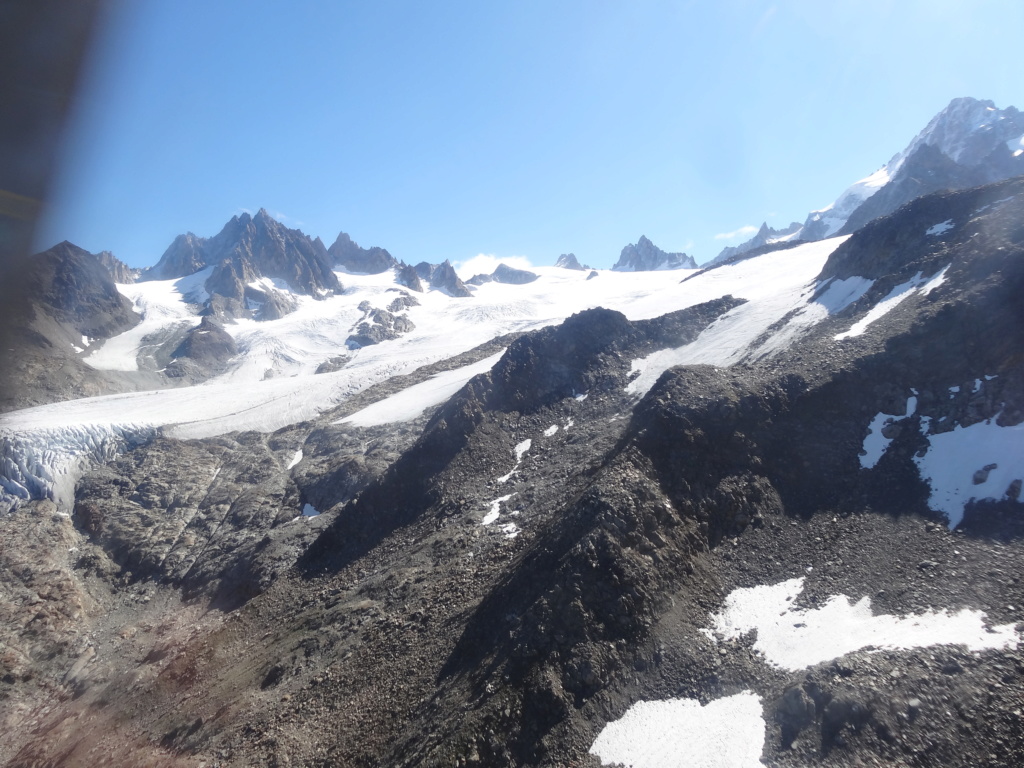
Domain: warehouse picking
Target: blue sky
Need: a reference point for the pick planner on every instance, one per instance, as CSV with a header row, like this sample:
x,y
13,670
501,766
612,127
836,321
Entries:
x,y
528,128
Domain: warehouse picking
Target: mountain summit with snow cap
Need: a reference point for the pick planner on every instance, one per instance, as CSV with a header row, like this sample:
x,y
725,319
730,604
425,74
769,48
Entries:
x,y
970,142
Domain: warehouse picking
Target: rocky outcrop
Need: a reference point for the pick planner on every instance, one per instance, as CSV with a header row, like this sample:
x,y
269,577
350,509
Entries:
x,y
207,345
645,256
443,278
187,255
408,276
75,288
924,171
379,325
504,274
60,302
368,261
119,271
512,276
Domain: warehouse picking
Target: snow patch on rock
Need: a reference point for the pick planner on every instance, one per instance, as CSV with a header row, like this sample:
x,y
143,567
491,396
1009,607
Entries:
x,y
976,462
794,638
893,299
938,229
726,733
520,450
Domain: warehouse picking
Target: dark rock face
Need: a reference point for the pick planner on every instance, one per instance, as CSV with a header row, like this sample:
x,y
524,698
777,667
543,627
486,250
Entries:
x,y
403,302
76,289
645,256
444,278
425,270
370,261
55,298
409,277
506,274
569,261
584,355
208,345
185,256
119,271
441,277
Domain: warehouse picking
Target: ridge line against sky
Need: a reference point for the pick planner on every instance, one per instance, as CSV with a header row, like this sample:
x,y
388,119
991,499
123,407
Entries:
x,y
448,130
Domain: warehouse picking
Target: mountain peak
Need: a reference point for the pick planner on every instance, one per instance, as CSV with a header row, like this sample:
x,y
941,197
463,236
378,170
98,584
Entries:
x,y
966,144
646,256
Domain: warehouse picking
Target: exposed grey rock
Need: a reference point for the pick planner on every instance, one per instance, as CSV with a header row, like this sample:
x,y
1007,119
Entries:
x,y
208,345
186,255
506,274
645,256
425,270
379,325
964,145
402,303
54,299
370,261
409,277
119,271
333,364
480,279
444,278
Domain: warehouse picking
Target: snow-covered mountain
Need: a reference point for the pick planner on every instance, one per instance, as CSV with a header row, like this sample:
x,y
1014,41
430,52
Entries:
x,y
763,513
244,259
970,142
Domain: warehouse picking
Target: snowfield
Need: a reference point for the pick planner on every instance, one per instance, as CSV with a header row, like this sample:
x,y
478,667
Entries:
x,y
411,402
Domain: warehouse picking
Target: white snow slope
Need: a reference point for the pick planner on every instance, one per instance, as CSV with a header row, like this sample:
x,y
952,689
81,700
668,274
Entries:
x,y
270,383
